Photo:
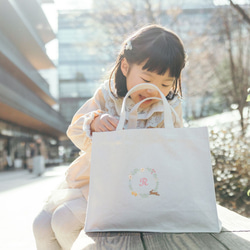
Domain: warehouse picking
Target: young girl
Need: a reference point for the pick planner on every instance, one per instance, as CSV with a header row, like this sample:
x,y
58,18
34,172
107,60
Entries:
x,y
153,54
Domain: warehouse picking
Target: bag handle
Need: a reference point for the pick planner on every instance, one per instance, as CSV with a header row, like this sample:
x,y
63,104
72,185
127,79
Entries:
x,y
133,114
168,121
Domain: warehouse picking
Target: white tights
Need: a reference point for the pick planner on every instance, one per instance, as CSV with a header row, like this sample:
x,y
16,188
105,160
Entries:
x,y
60,229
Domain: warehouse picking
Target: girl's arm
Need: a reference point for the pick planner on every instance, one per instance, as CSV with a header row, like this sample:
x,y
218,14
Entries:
x,y
79,130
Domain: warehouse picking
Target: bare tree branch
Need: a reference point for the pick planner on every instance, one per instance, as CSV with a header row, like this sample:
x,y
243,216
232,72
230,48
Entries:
x,y
241,11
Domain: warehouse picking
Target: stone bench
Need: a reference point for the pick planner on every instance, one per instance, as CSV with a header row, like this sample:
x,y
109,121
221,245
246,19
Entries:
x,y
235,234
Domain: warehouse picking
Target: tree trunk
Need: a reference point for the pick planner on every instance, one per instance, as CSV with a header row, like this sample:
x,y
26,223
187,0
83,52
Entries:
x,y
242,119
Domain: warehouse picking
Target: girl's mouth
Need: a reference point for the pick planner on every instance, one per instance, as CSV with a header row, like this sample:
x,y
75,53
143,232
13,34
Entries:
x,y
141,97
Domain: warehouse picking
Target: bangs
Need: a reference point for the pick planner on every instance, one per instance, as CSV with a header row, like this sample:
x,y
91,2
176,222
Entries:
x,y
162,55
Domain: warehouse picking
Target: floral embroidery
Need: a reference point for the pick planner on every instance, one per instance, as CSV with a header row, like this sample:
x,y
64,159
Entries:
x,y
143,182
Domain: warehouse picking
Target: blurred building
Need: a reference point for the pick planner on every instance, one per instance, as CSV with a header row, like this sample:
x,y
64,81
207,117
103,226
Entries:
x,y
80,65
27,116
85,52
89,38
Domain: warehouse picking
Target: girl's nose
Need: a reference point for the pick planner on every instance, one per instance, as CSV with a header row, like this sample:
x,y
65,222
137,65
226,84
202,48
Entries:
x,y
151,92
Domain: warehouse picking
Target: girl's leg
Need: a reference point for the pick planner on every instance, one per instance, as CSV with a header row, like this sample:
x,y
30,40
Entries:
x,y
44,236
68,220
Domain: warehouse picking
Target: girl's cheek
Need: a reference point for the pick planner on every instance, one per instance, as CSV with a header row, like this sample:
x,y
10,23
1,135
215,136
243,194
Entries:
x,y
133,96
166,92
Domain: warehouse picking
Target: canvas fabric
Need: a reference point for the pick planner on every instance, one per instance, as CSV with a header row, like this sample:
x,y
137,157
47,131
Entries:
x,y
151,180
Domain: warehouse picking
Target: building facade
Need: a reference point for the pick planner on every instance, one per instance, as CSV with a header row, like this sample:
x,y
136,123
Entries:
x,y
80,65
88,49
27,116
89,41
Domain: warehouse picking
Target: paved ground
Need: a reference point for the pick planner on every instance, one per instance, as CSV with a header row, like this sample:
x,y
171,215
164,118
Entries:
x,y
21,197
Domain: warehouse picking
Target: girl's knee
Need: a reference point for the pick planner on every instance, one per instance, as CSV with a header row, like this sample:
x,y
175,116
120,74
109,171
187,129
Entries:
x,y
69,216
42,224
66,226
61,219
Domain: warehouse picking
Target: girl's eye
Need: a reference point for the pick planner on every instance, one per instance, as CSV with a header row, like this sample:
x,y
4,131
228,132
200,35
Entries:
x,y
145,80
164,85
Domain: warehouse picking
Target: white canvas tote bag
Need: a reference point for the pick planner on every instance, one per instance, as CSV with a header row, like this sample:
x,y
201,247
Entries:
x,y
151,180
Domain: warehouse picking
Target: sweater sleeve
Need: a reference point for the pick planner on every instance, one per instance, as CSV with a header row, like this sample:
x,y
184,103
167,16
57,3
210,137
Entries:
x,y
79,130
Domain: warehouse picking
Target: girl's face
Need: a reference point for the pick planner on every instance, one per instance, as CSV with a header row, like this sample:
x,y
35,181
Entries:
x,y
136,75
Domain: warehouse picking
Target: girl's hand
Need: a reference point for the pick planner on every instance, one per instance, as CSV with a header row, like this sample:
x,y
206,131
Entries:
x,y
104,122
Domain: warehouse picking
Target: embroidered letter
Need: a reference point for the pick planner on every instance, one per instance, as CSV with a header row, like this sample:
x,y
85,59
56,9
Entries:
x,y
144,182
139,186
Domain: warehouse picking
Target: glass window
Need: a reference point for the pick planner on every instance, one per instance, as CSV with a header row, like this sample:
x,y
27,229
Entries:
x,y
78,89
83,71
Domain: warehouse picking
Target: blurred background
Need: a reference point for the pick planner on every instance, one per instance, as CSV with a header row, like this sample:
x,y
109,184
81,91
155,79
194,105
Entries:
x,y
55,53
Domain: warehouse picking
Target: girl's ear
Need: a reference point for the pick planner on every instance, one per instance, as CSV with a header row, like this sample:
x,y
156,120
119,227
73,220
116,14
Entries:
x,y
124,67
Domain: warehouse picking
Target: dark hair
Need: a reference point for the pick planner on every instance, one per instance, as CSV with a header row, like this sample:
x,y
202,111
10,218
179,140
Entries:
x,y
160,48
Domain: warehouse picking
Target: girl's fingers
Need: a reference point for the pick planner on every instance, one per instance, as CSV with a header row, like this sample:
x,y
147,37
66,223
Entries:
x,y
101,128
104,126
109,126
105,123
113,121
110,123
